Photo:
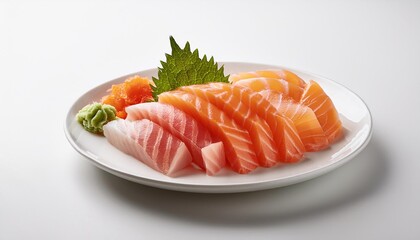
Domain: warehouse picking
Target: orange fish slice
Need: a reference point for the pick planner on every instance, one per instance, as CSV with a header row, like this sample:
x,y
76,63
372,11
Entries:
x,y
238,146
285,136
315,98
276,74
304,119
258,129
262,83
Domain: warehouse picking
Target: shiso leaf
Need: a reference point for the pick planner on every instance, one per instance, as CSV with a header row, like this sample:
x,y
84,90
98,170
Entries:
x,y
184,67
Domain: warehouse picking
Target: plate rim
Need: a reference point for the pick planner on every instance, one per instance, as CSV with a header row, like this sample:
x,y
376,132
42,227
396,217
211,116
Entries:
x,y
222,188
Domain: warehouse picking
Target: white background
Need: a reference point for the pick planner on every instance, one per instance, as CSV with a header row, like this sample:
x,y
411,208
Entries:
x,y
51,53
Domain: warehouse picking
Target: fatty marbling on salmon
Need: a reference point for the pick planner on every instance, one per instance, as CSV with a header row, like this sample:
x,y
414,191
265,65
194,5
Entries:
x,y
311,95
263,118
324,109
285,136
262,83
303,117
275,74
239,150
258,129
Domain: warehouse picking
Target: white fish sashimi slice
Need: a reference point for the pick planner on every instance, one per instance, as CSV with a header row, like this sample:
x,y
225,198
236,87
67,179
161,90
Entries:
x,y
149,143
116,134
178,123
214,158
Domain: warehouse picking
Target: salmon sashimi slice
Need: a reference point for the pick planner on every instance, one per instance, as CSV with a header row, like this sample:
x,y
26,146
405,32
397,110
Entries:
x,y
262,83
285,136
214,158
304,119
324,109
258,129
276,74
178,123
149,143
293,144
238,147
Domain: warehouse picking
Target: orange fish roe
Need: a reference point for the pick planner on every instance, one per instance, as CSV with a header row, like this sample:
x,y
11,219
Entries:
x,y
134,90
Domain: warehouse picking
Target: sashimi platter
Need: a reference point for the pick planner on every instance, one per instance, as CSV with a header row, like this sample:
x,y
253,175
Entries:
x,y
197,125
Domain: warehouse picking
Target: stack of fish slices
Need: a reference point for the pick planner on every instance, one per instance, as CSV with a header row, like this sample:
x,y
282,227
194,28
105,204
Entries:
x,y
261,119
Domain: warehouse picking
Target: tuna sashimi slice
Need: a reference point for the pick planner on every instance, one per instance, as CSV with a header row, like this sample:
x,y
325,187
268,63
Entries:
x,y
304,119
149,143
238,147
214,158
276,74
258,129
324,109
178,123
262,83
285,136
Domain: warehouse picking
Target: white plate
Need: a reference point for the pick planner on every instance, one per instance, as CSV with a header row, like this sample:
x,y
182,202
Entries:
x,y
353,112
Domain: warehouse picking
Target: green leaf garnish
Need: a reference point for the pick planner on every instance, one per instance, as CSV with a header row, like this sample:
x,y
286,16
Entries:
x,y
183,68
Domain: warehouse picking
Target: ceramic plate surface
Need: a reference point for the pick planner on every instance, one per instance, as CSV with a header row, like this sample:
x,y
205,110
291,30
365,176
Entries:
x,y
353,112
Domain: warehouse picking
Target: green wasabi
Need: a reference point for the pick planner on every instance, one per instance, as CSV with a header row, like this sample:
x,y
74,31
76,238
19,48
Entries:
x,y
94,116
